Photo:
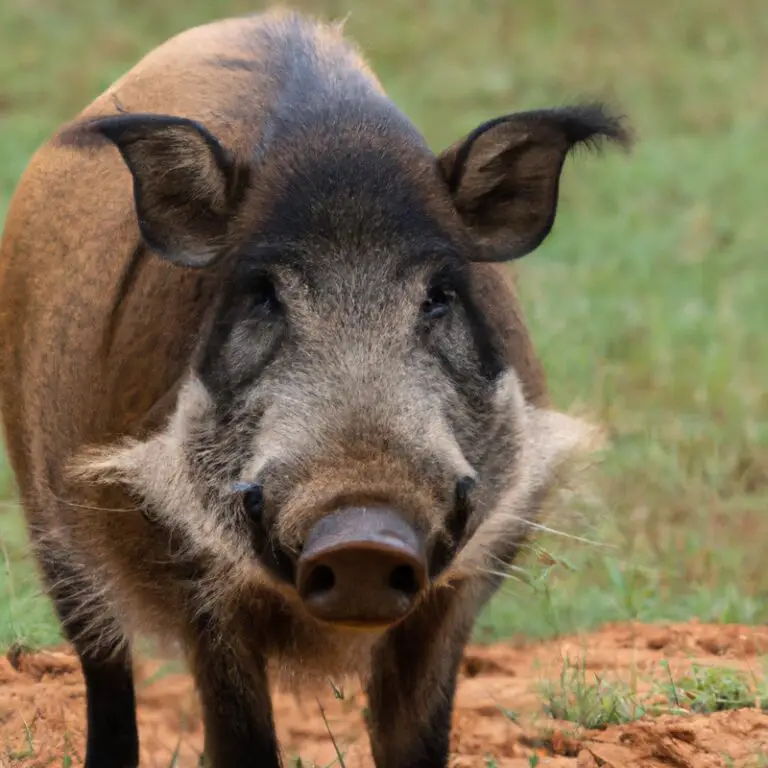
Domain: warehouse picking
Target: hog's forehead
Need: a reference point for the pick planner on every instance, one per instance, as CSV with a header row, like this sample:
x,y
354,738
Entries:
x,y
355,176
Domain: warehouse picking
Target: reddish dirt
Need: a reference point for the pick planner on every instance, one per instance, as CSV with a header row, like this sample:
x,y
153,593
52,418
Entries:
x,y
41,708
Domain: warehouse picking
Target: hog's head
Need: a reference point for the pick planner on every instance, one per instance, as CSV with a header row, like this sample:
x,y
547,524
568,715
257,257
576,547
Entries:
x,y
351,432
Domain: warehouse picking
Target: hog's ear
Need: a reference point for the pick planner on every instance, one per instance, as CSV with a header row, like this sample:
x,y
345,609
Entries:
x,y
504,176
187,186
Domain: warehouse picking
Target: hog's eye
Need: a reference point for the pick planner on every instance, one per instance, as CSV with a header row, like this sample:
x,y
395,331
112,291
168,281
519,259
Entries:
x,y
438,303
252,497
262,296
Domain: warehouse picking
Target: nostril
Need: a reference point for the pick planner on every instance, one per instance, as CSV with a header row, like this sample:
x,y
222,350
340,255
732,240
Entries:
x,y
322,579
403,579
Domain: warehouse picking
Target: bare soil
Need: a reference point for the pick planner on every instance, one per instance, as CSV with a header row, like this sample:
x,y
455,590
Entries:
x,y
498,708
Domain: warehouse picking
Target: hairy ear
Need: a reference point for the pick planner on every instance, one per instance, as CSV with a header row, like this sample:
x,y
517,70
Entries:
x,y
187,186
505,175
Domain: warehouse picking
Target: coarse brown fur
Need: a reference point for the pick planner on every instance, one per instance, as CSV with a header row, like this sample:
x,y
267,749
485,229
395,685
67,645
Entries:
x,y
141,379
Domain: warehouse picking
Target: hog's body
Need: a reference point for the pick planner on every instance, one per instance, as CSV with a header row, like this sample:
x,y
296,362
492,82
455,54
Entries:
x,y
112,330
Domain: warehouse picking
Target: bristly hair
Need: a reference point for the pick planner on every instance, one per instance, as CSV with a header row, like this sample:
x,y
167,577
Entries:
x,y
591,124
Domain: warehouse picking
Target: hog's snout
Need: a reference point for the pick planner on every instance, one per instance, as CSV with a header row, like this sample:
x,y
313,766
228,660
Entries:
x,y
361,566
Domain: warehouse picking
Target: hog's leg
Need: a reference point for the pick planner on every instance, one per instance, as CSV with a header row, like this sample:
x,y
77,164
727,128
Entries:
x,y
237,708
412,688
112,736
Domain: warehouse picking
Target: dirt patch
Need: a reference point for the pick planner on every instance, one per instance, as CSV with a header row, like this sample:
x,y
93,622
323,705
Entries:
x,y
498,708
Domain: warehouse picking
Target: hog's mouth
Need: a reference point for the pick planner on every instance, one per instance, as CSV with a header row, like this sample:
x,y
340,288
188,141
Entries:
x,y
360,561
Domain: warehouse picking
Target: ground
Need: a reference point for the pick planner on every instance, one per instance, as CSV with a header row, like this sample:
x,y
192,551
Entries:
x,y
500,718
647,304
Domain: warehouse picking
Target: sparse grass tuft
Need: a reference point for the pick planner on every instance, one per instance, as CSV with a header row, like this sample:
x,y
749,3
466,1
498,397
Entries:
x,y
339,754
175,755
510,714
29,748
69,754
714,689
597,703
590,704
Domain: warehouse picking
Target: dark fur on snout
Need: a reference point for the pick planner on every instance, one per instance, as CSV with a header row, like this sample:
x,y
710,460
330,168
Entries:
x,y
239,294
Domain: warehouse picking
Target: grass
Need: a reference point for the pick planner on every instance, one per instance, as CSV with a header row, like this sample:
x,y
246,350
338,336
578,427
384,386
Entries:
x,y
575,698
716,689
595,702
26,619
29,748
592,701
647,303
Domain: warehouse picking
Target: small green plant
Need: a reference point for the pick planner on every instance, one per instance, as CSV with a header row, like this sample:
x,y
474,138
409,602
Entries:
x,y
755,761
510,714
338,691
714,689
175,755
534,760
30,747
590,704
66,760
339,754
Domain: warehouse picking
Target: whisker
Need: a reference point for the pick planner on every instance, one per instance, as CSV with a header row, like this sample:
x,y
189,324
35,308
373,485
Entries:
x,y
510,566
91,508
506,575
571,536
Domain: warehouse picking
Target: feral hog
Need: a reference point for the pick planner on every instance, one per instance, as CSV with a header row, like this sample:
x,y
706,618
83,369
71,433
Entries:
x,y
266,386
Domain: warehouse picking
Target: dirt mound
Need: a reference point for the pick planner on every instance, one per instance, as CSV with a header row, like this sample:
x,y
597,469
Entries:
x,y
499,719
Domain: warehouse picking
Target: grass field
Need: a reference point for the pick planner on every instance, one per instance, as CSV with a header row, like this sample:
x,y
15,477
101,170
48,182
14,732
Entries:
x,y
648,302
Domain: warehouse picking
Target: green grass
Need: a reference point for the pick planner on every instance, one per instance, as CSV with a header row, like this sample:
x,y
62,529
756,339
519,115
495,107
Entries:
x,y
591,704
647,303
716,689
26,618
594,701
